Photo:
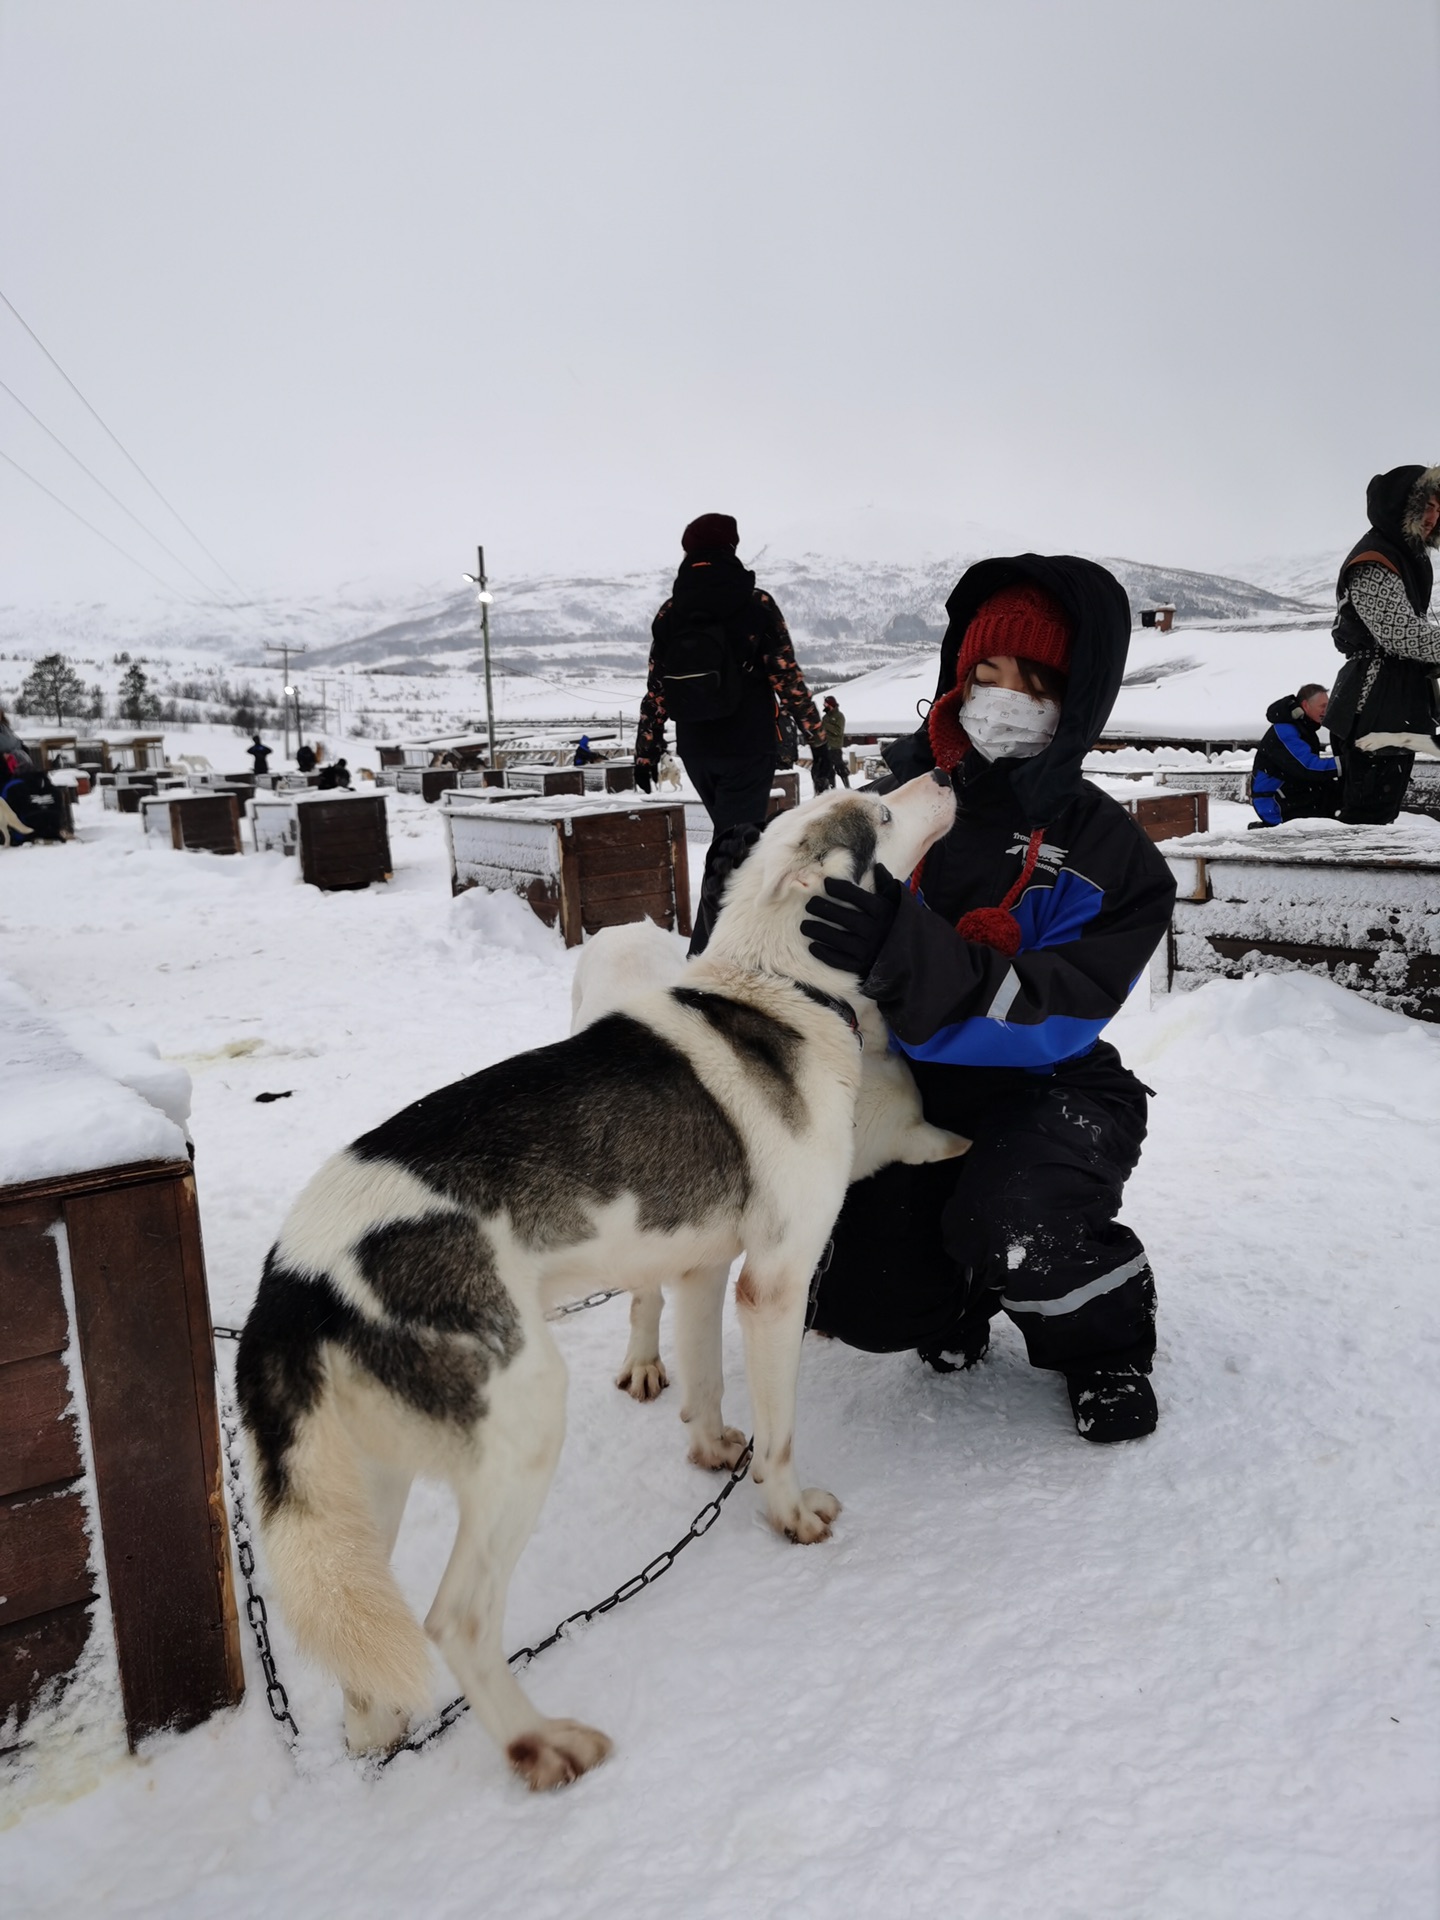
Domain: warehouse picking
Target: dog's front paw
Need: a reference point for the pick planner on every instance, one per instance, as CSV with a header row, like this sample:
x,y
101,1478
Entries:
x,y
809,1518
557,1752
643,1379
719,1454
372,1727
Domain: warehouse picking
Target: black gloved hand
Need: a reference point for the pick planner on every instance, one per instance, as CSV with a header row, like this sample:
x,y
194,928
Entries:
x,y
849,926
644,776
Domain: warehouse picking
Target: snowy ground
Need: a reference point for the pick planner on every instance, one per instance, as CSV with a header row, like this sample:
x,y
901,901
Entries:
x,y
1191,1676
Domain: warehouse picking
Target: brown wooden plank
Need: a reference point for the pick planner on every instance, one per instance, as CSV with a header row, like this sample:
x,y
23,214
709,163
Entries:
x,y
32,1307
66,1185
571,923
44,1554
680,849
128,1258
658,907
36,1651
626,830
38,1439
623,886
624,859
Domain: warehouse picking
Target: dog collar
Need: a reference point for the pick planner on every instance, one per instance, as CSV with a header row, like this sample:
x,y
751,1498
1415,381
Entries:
x,y
842,1007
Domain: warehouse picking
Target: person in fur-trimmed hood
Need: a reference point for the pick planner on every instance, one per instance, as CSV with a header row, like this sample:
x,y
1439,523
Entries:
x,y
1386,701
997,968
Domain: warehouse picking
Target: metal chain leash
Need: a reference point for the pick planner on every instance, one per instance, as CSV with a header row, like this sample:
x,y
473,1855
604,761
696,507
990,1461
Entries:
x,y
255,1611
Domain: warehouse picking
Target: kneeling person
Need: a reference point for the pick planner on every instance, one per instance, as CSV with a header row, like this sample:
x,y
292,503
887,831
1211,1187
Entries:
x,y
1291,778
997,970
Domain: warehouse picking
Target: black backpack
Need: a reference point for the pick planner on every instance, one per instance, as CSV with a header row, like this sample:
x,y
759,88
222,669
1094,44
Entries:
x,y
702,663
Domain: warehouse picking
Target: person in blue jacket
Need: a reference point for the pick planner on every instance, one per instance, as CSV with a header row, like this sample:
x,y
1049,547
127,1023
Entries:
x,y
997,968
1291,778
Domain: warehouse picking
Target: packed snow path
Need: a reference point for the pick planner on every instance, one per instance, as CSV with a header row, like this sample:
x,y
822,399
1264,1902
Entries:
x,y
1190,1676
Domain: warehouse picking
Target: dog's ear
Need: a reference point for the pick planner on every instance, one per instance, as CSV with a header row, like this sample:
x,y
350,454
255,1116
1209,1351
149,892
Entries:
x,y
847,829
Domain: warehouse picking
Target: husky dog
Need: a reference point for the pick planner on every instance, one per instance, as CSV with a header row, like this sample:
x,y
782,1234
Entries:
x,y
668,774
620,963
400,1328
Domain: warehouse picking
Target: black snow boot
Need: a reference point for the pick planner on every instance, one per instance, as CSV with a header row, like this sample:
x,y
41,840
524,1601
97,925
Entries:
x,y
1112,1403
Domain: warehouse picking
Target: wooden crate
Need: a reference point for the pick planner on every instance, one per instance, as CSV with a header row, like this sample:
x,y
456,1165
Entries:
x,y
475,778
547,781
1360,905
610,776
194,822
342,838
1165,816
784,791
129,1240
428,782
581,863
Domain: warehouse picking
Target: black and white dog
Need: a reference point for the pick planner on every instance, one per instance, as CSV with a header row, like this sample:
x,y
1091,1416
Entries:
x,y
399,1328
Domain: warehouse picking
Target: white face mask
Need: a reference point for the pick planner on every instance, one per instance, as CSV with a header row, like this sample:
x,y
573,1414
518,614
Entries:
x,y
1008,726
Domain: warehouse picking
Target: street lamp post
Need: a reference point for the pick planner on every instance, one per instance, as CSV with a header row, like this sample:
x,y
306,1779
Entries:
x,y
482,595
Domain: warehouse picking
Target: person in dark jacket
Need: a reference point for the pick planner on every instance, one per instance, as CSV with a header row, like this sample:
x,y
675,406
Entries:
x,y
1291,778
997,968
833,721
304,759
1386,701
585,754
730,758
259,753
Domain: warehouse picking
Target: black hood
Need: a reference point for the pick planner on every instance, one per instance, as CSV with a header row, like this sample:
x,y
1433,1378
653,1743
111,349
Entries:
x,y
1389,501
1287,709
1099,612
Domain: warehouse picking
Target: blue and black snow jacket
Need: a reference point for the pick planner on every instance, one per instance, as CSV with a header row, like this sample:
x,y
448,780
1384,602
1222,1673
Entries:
x,y
1099,900
1291,779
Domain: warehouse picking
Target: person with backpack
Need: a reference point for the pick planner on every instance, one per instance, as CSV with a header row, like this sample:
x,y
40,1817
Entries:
x,y
1292,779
1386,702
304,758
720,660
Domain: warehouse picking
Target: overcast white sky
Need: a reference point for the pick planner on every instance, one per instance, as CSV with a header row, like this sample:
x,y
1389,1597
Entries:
x,y
361,281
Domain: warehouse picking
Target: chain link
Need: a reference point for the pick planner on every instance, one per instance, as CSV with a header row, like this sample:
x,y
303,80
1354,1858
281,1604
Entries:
x,y
276,1697
255,1612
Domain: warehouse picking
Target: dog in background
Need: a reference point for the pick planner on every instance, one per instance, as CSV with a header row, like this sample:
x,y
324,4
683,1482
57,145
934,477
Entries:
x,y
399,1328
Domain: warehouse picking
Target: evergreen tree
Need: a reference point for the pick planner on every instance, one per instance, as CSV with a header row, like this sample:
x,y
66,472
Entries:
x,y
53,686
137,702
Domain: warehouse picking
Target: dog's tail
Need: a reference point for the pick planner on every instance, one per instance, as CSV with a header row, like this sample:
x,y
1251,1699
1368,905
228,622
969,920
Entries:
x,y
327,1562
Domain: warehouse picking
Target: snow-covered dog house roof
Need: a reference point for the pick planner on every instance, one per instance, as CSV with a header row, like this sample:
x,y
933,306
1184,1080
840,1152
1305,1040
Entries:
x,y
1358,904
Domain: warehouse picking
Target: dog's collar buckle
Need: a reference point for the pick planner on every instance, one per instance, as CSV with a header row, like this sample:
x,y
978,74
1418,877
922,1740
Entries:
x,y
841,1007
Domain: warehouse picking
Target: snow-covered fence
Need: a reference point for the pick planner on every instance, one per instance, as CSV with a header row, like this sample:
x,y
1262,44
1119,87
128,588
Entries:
x,y
1358,904
581,863
117,1613
1218,783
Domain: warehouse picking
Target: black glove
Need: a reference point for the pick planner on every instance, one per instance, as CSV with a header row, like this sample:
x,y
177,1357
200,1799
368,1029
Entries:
x,y
849,926
644,776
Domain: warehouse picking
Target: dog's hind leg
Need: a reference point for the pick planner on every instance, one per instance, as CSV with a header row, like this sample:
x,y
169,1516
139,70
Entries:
x,y
500,1498
370,1725
642,1372
699,1312
771,1296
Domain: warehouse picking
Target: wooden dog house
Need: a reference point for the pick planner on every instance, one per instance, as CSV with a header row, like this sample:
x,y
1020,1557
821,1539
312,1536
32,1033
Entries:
x,y
581,863
341,839
193,822
1360,905
114,1550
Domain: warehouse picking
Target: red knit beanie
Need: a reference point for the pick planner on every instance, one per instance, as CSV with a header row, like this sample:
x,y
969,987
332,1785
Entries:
x,y
710,530
1022,622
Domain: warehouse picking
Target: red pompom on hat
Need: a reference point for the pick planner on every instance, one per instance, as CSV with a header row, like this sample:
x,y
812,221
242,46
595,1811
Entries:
x,y
1022,622
710,530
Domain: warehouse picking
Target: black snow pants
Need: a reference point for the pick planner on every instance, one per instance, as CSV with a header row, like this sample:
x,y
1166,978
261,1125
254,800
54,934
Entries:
x,y
1372,785
735,792
926,1256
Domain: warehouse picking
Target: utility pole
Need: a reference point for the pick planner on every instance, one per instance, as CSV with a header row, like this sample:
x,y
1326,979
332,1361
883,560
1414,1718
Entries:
x,y
285,648
324,708
482,595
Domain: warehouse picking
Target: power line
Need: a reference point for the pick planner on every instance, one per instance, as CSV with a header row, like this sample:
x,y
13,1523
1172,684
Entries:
x,y
168,585
118,442
204,585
